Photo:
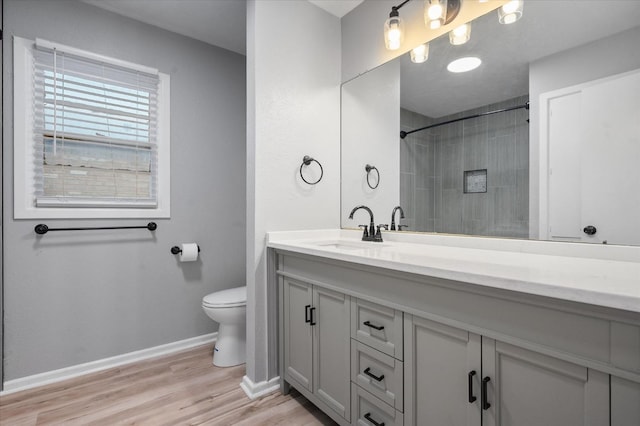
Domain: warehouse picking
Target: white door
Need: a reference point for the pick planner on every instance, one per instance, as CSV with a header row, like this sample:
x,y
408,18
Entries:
x,y
594,159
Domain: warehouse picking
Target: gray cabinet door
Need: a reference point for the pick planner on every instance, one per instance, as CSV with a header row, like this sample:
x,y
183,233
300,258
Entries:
x,y
332,350
438,360
298,333
530,389
625,402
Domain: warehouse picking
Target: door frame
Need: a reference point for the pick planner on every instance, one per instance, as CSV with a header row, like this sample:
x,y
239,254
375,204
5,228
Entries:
x,y
2,200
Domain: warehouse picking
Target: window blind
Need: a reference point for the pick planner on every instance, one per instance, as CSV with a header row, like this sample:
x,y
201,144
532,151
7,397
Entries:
x,y
95,125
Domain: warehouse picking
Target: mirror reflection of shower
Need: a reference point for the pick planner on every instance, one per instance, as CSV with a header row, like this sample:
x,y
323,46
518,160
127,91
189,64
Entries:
x,y
469,176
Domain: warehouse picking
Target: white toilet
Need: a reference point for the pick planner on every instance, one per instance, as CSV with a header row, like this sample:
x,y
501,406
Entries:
x,y
229,309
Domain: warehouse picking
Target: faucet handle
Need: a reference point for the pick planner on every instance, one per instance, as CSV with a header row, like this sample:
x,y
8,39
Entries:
x,y
378,236
402,226
365,234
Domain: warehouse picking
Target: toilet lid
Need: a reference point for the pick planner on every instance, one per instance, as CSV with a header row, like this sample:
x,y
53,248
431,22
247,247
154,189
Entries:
x,y
230,297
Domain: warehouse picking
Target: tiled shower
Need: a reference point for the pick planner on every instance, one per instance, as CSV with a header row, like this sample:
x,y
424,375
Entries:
x,y
433,165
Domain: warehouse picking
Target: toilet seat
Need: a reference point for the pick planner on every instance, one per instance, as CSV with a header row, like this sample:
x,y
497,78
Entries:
x,y
229,298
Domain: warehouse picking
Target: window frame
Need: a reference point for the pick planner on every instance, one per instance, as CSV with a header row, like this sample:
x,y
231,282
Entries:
x,y
23,147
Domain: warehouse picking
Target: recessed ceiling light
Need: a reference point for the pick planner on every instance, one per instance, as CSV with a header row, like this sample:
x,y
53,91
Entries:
x,y
464,64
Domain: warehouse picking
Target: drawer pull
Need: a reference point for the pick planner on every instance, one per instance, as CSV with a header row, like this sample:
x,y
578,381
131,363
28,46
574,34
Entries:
x,y
373,422
307,314
377,327
311,311
471,397
368,372
485,403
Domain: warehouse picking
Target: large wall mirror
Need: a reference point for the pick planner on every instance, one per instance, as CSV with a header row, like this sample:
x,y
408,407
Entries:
x,y
553,150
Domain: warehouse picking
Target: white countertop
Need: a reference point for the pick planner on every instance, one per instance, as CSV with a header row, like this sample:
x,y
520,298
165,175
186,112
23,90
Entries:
x,y
517,266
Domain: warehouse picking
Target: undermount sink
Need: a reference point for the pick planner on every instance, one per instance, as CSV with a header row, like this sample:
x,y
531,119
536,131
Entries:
x,y
349,245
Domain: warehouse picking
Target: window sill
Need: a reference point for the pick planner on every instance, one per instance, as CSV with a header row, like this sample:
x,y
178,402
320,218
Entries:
x,y
92,213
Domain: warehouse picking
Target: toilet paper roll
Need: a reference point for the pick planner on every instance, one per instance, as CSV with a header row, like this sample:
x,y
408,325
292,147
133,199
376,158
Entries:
x,y
189,252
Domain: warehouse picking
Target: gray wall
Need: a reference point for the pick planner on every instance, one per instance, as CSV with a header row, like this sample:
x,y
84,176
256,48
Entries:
x,y
602,58
433,164
76,297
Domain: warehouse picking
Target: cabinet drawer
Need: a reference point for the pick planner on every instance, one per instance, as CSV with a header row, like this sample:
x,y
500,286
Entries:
x,y
370,411
378,373
377,326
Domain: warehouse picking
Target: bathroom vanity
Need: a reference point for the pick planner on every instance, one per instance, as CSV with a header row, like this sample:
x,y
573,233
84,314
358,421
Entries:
x,y
421,330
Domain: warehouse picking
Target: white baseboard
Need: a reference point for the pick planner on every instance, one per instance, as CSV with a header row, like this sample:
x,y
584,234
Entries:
x,y
48,377
256,390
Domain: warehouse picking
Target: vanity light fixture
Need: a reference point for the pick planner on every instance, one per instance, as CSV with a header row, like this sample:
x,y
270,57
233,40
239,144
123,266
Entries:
x,y
420,54
460,35
436,14
510,12
394,28
465,64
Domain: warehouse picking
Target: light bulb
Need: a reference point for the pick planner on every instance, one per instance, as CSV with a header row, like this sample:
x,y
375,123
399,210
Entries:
x,y
511,7
435,13
420,54
509,19
393,32
460,35
393,38
510,12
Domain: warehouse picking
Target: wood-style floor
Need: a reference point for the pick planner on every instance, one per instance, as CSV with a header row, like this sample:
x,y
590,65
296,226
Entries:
x,y
179,389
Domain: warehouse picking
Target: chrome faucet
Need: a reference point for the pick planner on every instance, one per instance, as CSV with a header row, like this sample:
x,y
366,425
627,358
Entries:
x,y
368,234
393,218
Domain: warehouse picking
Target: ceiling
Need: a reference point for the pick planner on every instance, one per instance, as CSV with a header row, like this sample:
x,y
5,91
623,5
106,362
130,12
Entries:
x,y
546,27
218,22
338,8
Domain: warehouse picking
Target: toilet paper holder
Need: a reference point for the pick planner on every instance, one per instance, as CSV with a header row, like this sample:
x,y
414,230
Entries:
x,y
177,250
